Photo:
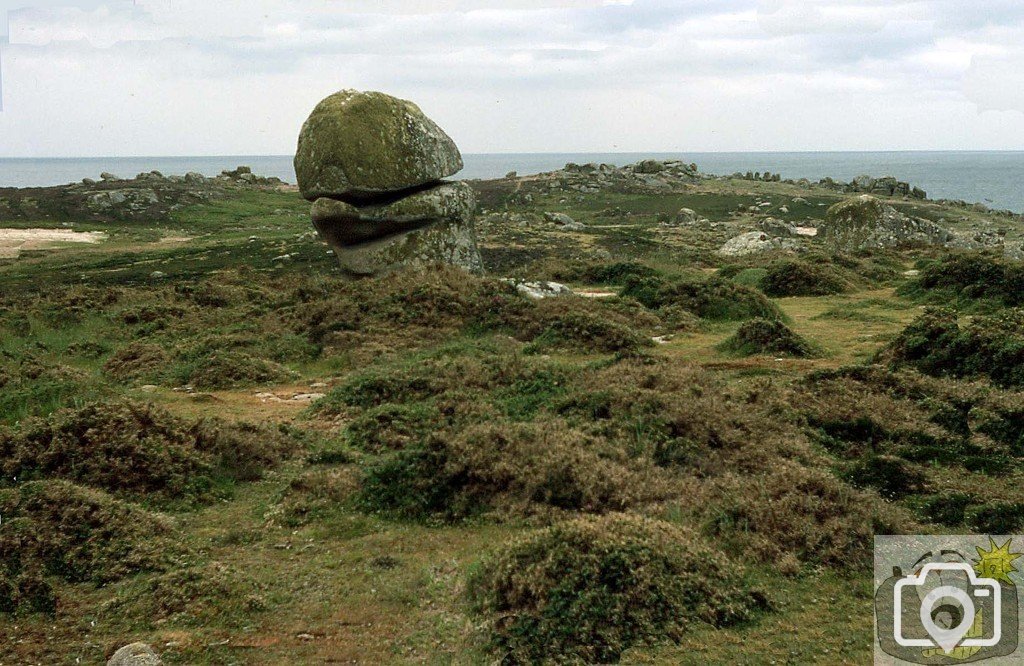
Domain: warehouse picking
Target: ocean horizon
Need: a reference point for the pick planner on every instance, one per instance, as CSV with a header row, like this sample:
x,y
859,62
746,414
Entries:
x,y
990,177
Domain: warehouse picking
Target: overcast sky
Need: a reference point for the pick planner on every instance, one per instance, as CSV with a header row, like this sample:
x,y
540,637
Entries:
x,y
202,77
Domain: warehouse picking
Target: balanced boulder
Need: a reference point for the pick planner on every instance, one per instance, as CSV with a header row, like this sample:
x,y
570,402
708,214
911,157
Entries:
x,y
365,144
372,164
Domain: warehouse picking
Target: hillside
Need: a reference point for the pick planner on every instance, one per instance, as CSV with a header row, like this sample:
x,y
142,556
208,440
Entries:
x,y
214,443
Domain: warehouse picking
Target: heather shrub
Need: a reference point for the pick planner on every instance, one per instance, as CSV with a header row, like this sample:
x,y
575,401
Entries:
x,y
81,535
762,336
987,346
509,468
231,369
794,277
971,279
138,451
715,299
586,590
138,362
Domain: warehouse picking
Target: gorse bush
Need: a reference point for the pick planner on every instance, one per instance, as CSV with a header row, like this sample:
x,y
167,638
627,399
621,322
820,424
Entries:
x,y
714,299
970,279
586,590
517,469
987,346
79,534
800,278
138,451
762,336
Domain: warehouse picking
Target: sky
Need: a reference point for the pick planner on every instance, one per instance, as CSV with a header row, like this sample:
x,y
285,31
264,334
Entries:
x,y
238,77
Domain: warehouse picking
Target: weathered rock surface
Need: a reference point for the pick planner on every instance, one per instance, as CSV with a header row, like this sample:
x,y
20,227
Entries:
x,y
540,289
864,222
136,654
372,164
450,242
363,144
754,242
446,202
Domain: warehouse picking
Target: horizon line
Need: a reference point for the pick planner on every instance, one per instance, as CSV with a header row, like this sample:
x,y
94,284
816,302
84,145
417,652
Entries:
x,y
552,153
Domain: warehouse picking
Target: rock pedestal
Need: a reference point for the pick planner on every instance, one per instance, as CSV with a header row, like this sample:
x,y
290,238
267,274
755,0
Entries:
x,y
372,165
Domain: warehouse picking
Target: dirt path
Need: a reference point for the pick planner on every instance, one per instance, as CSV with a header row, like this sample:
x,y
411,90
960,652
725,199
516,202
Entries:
x,y
13,241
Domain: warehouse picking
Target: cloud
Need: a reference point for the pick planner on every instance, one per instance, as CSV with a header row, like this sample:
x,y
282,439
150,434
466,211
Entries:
x,y
171,76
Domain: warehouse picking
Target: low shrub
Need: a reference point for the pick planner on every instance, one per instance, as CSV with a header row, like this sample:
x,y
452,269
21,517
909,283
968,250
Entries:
x,y
714,299
987,346
762,336
507,468
140,362
794,277
232,369
587,590
138,451
81,535
970,279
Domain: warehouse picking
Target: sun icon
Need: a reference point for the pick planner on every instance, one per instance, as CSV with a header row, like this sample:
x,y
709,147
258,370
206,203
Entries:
x,y
996,563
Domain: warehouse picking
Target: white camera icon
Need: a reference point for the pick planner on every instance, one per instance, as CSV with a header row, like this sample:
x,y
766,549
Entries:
x,y
967,584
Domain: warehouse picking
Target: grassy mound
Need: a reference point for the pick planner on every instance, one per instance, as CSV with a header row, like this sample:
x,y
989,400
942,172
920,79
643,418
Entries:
x,y
138,362
506,468
714,299
138,451
970,280
761,336
800,278
233,369
987,346
80,535
914,439
586,590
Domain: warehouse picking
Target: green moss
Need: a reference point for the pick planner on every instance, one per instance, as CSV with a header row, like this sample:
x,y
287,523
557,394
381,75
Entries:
x,y
357,143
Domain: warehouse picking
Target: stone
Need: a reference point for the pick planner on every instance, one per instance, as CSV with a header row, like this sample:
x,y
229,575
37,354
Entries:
x,y
864,222
193,178
106,175
136,654
88,182
775,227
564,221
686,216
357,224
540,289
449,242
649,167
365,144
755,242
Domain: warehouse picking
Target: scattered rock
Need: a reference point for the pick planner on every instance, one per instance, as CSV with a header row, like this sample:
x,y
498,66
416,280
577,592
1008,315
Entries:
x,y
776,227
755,242
136,654
864,222
540,289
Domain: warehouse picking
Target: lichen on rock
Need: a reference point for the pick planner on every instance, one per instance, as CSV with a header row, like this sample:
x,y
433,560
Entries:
x,y
362,144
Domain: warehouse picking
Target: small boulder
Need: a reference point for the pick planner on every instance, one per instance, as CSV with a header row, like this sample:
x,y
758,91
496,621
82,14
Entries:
x,y
136,654
755,242
686,216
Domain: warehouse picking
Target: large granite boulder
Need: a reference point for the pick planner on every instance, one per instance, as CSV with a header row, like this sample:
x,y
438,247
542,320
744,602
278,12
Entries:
x,y
373,164
357,224
365,144
864,222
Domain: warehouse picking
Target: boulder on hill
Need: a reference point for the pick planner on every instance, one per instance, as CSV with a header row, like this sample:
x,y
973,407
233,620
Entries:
x,y
372,164
364,144
865,222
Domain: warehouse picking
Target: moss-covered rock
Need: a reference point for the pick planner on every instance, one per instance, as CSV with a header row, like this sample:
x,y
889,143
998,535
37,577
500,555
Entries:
x,y
363,144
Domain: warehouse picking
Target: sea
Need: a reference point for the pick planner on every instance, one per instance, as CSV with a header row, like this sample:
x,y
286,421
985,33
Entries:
x,y
993,178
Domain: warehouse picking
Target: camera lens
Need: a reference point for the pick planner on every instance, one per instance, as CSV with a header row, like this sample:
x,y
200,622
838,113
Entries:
x,y
947,615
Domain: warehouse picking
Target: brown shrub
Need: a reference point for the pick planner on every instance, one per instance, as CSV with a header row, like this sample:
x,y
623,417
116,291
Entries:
x,y
138,362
